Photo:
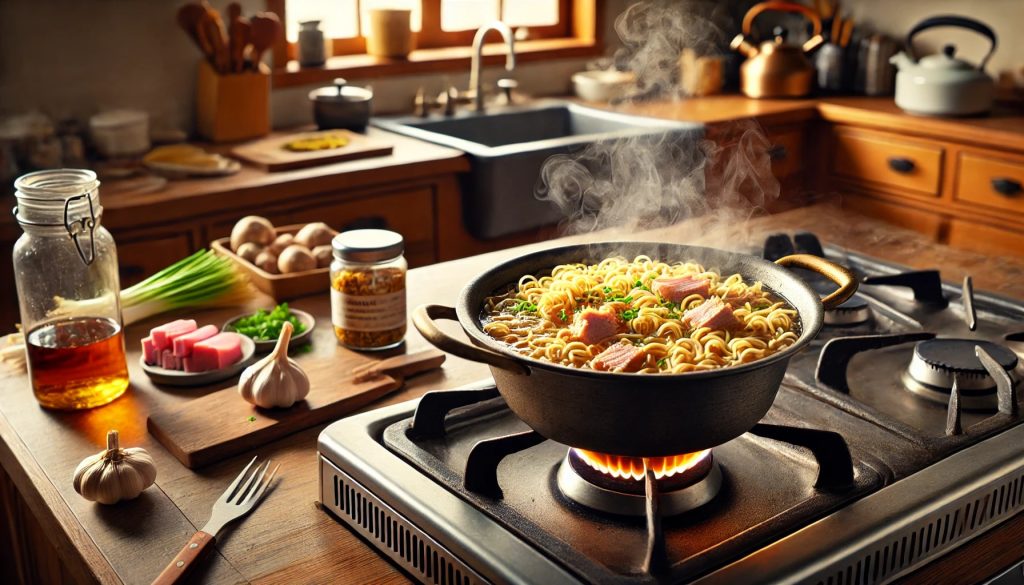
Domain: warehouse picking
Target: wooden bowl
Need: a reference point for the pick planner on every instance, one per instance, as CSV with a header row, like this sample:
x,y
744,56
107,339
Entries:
x,y
280,286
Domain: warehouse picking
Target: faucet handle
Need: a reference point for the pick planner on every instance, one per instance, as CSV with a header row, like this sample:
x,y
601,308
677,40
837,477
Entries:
x,y
450,98
507,87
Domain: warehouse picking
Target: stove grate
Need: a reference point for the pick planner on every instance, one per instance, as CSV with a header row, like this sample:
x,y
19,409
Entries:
x,y
399,539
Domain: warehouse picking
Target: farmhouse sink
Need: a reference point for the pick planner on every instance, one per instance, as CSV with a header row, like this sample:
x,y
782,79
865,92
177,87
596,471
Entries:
x,y
508,146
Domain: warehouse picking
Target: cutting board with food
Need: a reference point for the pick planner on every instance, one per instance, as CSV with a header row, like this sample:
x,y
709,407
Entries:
x,y
221,424
284,152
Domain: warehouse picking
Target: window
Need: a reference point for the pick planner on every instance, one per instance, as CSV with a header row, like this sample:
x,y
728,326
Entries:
x,y
437,23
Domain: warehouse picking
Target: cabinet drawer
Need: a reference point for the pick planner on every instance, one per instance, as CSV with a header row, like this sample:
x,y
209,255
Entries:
x,y
138,259
876,157
991,182
408,212
985,238
786,152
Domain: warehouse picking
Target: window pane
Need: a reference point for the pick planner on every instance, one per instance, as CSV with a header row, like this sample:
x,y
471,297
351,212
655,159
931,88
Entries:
x,y
414,5
337,17
530,12
467,14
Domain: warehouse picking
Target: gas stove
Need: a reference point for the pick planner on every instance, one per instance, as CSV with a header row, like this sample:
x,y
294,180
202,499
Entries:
x,y
894,439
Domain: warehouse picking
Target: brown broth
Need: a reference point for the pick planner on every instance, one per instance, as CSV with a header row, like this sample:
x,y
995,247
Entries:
x,y
77,363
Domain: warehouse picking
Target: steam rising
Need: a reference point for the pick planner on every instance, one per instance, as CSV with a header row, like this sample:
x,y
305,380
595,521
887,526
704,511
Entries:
x,y
653,181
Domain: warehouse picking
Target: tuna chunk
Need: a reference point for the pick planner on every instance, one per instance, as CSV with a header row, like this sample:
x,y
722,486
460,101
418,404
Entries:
x,y
677,289
163,336
621,357
712,313
183,343
591,326
149,352
219,351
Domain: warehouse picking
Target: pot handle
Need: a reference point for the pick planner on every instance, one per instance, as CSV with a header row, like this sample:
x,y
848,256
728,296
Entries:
x,y
423,319
840,275
953,20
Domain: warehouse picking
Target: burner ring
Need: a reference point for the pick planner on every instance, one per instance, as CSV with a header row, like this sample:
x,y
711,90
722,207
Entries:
x,y
634,503
937,361
853,311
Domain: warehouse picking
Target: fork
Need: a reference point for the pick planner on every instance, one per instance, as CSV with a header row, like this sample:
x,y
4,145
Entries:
x,y
234,503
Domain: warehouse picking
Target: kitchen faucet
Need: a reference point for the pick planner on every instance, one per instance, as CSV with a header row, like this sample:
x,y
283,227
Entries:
x,y
476,84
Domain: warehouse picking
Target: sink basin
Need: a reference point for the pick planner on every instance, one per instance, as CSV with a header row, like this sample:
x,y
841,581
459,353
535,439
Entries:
x,y
507,148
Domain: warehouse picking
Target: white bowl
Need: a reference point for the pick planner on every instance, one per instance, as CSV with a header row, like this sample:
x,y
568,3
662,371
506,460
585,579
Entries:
x,y
602,86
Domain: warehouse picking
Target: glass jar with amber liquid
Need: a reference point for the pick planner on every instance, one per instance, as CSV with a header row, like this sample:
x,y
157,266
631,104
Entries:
x,y
368,289
65,270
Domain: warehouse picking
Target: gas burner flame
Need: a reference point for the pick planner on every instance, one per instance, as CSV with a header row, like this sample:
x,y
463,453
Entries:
x,y
622,467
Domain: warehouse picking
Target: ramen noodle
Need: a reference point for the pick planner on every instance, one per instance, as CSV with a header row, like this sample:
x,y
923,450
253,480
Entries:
x,y
642,316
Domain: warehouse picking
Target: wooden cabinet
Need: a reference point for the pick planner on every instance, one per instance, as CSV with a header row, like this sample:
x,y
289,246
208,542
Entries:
x,y
142,254
960,194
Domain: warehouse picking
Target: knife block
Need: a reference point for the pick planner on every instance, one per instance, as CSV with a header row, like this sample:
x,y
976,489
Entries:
x,y
232,107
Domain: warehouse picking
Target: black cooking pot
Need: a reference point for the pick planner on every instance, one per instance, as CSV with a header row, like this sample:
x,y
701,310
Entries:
x,y
640,415
341,106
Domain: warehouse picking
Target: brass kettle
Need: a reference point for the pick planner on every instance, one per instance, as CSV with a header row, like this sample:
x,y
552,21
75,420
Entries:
x,y
777,69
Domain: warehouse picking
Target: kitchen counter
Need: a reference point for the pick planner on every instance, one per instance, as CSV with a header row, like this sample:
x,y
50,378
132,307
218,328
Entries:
x,y
287,538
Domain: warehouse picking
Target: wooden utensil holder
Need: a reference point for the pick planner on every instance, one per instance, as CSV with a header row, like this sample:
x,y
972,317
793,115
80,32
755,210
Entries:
x,y
232,107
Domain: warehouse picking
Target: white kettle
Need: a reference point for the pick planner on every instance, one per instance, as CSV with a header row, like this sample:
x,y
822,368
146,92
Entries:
x,y
942,84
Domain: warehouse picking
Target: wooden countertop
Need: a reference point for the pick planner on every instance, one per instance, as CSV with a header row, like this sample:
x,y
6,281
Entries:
x,y
287,538
251,186
1003,128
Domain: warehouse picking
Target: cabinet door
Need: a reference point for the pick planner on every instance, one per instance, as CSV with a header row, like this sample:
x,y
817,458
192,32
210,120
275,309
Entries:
x,y
985,238
409,212
138,258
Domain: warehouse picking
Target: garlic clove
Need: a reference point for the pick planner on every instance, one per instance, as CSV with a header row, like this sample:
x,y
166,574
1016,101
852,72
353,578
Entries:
x,y
275,381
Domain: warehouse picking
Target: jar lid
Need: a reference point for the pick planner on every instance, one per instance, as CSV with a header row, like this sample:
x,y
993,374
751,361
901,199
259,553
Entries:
x,y
368,245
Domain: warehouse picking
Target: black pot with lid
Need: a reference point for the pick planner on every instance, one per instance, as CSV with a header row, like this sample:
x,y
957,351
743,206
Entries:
x,y
341,106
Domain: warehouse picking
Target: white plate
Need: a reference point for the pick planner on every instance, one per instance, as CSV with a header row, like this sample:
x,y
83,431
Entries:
x,y
266,345
178,378
227,166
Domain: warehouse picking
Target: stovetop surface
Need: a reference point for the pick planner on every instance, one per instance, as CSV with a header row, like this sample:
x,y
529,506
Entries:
x,y
769,485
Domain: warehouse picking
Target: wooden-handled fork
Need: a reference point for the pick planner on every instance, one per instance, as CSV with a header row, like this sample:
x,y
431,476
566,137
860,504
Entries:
x,y
234,503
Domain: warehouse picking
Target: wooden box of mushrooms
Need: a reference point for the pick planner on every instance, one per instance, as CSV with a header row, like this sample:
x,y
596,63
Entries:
x,y
285,262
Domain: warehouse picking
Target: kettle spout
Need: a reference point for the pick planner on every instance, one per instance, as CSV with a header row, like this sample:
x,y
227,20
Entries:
x,y
901,60
739,43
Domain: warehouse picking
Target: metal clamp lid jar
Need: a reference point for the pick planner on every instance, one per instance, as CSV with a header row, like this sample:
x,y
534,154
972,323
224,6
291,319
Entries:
x,y
65,270
368,306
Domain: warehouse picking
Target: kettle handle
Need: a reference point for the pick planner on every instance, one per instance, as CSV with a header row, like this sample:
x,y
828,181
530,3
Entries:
x,y
781,6
953,20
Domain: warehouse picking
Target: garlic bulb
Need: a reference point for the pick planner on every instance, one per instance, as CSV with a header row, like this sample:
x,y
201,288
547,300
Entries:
x,y
115,474
276,380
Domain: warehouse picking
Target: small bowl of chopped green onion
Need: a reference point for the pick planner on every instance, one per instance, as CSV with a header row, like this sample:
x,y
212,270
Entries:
x,y
264,327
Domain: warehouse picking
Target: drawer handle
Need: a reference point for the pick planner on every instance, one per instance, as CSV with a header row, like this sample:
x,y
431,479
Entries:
x,y
777,152
1007,187
901,165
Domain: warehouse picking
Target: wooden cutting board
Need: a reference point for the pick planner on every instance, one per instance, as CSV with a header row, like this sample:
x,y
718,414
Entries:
x,y
272,156
221,424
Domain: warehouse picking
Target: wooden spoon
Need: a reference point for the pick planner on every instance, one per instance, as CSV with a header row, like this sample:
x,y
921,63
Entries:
x,y
235,49
215,33
266,28
189,16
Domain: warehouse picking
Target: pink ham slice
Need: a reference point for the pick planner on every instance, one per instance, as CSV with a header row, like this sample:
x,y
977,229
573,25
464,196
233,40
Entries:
x,y
183,343
677,289
168,361
712,313
591,326
163,336
149,352
621,357
219,351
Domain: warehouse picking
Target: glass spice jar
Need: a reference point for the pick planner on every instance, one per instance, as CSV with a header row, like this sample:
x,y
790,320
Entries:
x,y
368,289
65,270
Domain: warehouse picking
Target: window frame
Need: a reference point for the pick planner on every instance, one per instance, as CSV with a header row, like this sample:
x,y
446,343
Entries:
x,y
432,37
